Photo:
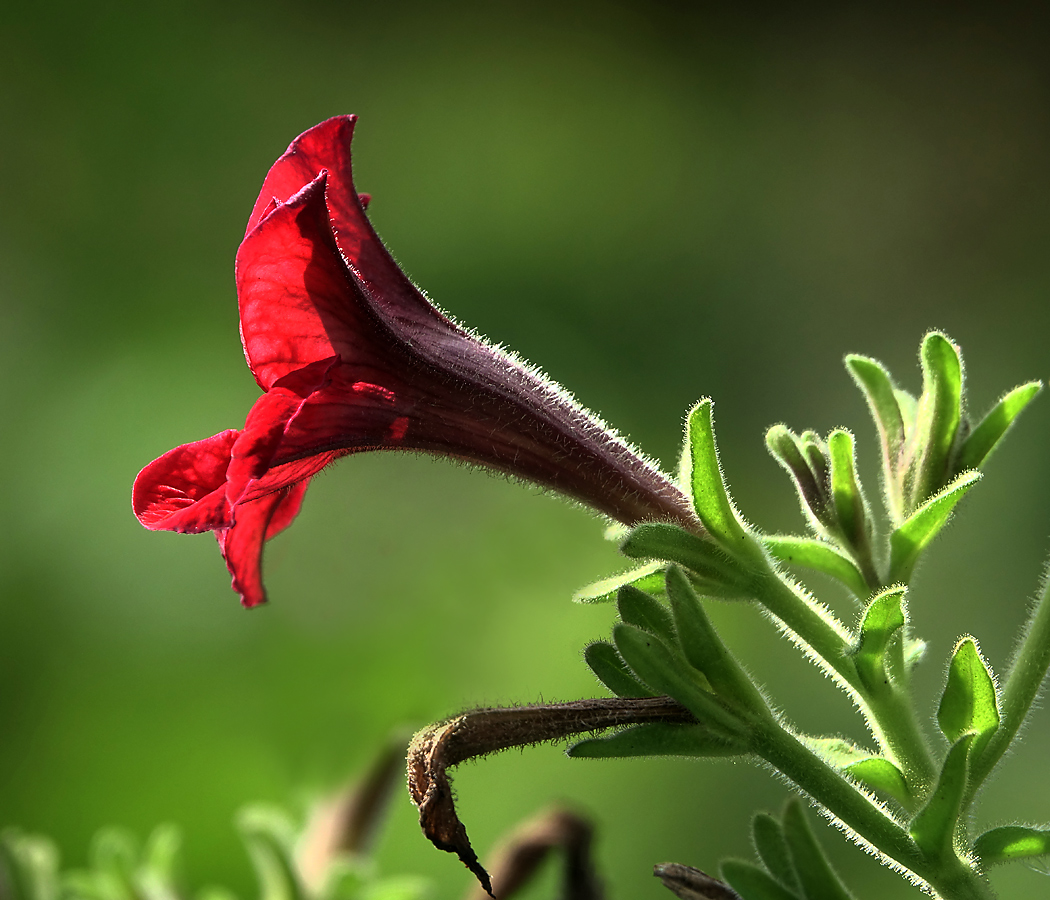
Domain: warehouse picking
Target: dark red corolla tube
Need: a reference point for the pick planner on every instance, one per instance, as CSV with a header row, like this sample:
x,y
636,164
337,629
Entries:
x,y
351,356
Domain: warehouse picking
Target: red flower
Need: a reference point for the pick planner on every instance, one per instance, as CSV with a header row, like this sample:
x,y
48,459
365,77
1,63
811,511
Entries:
x,y
351,356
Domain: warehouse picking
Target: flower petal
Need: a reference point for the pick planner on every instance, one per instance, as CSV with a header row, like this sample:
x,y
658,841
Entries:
x,y
256,523
326,147
299,303
184,490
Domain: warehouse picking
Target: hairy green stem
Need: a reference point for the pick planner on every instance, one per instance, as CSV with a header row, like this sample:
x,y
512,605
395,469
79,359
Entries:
x,y
890,716
1026,677
953,879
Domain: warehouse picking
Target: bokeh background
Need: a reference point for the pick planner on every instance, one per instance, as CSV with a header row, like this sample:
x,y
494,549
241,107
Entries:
x,y
652,203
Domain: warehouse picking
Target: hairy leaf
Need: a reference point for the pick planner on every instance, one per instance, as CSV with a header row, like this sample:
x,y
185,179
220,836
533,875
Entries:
x,y
1011,842
912,536
883,618
658,739
969,702
933,828
648,578
612,671
814,871
819,555
988,433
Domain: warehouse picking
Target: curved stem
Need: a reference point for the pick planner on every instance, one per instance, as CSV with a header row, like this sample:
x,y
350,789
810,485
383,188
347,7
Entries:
x,y
890,716
1026,677
870,823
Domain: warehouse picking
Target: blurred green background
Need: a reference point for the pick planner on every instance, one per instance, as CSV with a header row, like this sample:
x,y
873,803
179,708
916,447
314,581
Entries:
x,y
651,203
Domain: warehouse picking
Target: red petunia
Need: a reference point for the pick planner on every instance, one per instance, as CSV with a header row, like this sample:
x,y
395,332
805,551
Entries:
x,y
351,356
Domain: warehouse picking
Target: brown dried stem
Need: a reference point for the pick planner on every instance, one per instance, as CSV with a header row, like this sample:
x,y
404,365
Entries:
x,y
443,745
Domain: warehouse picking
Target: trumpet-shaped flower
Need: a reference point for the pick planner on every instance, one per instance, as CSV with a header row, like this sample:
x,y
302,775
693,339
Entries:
x,y
351,356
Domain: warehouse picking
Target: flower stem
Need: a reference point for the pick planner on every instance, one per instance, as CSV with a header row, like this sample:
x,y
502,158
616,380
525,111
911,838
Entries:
x,y
1026,677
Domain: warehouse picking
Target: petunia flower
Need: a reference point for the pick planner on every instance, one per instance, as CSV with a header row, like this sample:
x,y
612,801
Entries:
x,y
351,356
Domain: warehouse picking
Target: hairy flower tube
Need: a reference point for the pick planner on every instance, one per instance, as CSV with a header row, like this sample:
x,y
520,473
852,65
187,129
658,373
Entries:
x,y
351,356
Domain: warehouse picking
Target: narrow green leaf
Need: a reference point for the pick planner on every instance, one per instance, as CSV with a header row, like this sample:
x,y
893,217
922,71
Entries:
x,y
648,578
656,739
969,702
646,612
937,419
810,480
933,828
703,648
753,883
851,506
878,389
914,534
160,875
28,866
871,770
881,776
882,619
773,850
820,555
702,474
1011,842
985,437
397,887
658,667
714,571
114,859
818,879
269,837
612,671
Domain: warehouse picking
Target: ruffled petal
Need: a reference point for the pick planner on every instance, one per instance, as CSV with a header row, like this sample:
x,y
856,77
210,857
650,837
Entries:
x,y
184,490
326,147
299,303
253,451
242,543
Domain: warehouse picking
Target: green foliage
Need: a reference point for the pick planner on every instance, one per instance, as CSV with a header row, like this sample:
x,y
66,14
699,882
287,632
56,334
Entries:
x,y
794,866
933,828
1011,842
713,570
882,621
819,555
915,533
701,473
985,437
969,704
873,771
646,612
648,578
120,870
607,664
656,739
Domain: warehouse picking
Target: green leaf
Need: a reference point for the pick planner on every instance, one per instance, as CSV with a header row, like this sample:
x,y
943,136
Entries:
x,y
30,864
646,612
818,879
985,437
656,739
883,618
269,837
819,555
969,702
114,859
1011,842
933,828
159,875
702,474
703,648
659,668
914,534
612,671
881,776
878,389
787,450
648,578
851,507
714,572
869,769
937,419
753,883
773,850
